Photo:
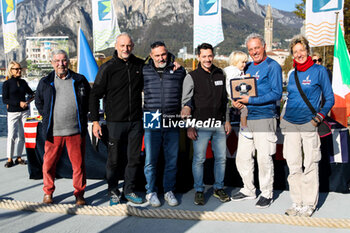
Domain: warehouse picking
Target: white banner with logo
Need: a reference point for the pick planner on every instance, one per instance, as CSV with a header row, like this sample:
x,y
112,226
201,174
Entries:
x,y
207,26
9,26
105,24
320,21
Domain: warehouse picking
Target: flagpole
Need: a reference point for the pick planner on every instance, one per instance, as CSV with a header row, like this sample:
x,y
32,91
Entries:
x,y
6,65
78,43
194,59
336,24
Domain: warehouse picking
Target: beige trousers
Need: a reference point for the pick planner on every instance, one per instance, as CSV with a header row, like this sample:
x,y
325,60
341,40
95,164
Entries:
x,y
303,183
264,141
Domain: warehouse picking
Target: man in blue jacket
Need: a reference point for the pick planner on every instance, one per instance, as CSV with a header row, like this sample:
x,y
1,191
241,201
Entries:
x,y
261,122
62,100
162,96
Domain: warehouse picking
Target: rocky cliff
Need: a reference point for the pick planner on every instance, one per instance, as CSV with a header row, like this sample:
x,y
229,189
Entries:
x,y
145,19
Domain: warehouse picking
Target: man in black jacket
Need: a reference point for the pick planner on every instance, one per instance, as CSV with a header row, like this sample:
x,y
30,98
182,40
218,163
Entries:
x,y
162,95
62,100
120,82
204,88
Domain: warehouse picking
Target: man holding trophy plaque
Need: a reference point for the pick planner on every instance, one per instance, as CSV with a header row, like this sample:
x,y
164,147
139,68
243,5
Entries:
x,y
261,122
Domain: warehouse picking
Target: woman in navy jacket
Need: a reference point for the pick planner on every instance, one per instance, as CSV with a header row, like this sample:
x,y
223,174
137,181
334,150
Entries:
x,y
14,92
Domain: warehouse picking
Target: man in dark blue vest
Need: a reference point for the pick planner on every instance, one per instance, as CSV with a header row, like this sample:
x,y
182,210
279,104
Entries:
x,y
162,100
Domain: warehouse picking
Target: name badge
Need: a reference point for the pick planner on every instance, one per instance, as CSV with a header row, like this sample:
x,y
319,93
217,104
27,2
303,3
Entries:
x,y
219,83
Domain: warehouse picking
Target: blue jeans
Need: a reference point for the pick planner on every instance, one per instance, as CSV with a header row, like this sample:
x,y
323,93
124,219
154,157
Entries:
x,y
154,139
218,144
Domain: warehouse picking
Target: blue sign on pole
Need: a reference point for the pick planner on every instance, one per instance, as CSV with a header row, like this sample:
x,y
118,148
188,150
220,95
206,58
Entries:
x,y
326,5
104,10
8,11
208,7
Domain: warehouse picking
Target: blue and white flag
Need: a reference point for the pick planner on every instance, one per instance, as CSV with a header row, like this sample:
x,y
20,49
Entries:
x,y
320,22
207,26
87,65
9,26
104,24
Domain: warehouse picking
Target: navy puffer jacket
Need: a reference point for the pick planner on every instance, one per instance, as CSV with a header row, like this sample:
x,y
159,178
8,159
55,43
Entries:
x,y
163,91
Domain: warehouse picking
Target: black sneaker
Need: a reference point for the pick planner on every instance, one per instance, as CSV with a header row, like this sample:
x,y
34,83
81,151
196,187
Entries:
x,y
222,195
199,198
263,202
240,197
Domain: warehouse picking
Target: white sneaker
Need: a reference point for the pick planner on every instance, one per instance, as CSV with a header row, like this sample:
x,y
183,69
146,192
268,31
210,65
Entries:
x,y
246,133
152,199
307,211
294,210
171,199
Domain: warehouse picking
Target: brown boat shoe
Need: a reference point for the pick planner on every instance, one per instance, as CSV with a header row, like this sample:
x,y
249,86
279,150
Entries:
x,y
47,199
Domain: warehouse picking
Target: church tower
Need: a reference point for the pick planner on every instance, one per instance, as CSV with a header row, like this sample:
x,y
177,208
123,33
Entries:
x,y
268,28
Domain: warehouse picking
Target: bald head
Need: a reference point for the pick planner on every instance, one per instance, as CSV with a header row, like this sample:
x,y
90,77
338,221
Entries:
x,y
124,46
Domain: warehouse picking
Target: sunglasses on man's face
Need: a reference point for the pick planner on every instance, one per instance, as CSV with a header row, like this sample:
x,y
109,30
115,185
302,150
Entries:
x,y
317,60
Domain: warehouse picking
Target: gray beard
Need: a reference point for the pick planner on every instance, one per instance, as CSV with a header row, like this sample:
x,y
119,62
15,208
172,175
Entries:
x,y
162,65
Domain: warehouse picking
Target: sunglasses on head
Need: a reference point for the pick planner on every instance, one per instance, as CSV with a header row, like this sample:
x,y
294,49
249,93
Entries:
x,y
317,60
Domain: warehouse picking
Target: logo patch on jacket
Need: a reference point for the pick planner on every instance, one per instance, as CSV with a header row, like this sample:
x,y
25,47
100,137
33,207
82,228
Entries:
x,y
307,81
257,76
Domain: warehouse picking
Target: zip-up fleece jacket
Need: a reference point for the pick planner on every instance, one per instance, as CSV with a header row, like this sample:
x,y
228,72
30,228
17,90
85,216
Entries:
x,y
163,91
45,101
206,93
120,83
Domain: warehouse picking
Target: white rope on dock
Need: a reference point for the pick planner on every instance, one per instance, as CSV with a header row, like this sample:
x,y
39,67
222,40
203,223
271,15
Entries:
x,y
126,210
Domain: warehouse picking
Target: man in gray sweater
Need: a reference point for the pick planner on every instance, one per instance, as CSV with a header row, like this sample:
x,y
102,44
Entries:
x,y
62,100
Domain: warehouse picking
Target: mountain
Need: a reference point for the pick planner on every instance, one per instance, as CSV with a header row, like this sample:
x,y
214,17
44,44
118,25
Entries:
x,y
147,21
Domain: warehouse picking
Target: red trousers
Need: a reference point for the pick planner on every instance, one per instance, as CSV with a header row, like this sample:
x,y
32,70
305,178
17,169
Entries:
x,y
75,145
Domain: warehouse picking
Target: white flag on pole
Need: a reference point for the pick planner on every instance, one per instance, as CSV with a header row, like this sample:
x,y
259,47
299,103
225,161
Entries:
x,y
320,21
207,26
105,24
9,26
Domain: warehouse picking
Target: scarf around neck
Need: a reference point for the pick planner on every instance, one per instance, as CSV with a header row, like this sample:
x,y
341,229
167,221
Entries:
x,y
303,66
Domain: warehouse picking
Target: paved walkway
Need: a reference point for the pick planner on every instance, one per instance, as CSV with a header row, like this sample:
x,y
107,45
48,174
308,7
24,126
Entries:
x,y
14,184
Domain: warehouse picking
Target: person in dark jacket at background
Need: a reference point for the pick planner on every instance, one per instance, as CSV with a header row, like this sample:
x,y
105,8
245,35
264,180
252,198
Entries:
x,y
162,99
120,82
62,100
14,93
